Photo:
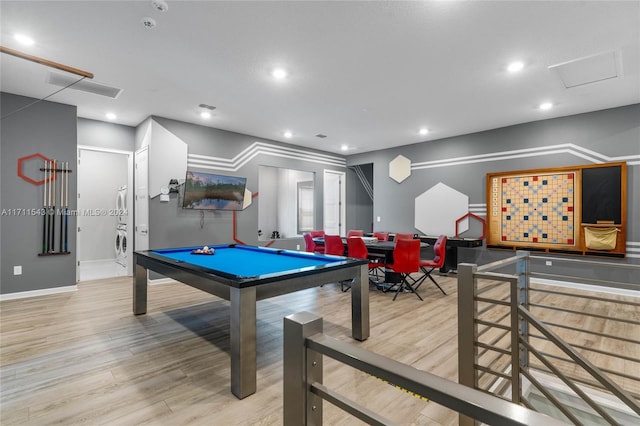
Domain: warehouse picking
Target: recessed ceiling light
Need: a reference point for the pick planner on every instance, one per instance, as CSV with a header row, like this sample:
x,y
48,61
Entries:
x,y
111,116
344,147
424,131
515,66
287,134
545,106
148,23
279,73
23,39
205,114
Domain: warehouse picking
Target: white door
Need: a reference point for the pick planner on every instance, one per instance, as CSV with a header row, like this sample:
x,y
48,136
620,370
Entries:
x,y
141,198
334,202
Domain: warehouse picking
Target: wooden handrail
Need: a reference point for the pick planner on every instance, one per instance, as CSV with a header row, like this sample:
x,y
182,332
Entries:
x,y
45,62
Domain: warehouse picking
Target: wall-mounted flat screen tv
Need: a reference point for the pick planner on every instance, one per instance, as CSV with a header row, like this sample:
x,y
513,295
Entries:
x,y
206,191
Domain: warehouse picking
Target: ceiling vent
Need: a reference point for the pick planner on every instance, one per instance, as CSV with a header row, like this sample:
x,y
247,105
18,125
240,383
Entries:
x,y
590,69
84,85
321,136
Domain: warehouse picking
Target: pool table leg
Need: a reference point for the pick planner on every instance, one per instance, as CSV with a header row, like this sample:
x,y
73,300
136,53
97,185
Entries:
x,y
243,341
140,290
360,305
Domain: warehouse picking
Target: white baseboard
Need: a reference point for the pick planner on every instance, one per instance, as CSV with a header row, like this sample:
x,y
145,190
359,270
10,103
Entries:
x,y
96,262
35,293
587,287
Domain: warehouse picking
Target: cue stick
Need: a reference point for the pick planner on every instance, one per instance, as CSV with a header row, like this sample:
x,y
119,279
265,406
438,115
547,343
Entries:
x,y
44,207
49,164
53,198
66,209
61,206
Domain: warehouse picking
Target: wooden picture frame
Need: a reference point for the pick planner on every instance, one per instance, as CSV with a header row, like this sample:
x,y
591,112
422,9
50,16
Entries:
x,y
559,209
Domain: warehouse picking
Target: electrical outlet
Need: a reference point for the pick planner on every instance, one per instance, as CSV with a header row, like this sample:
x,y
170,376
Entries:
x,y
378,218
298,247
548,263
17,270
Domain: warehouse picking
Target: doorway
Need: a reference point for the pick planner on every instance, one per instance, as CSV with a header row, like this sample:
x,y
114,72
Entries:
x,y
334,203
104,213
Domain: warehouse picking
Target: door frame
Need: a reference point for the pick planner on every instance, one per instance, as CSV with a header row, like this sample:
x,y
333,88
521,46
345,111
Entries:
x,y
129,155
343,199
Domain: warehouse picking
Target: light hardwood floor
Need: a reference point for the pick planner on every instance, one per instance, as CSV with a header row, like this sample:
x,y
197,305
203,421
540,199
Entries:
x,y
84,358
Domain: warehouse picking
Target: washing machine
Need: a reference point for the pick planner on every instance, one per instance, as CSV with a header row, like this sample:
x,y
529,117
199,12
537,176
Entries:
x,y
121,227
121,245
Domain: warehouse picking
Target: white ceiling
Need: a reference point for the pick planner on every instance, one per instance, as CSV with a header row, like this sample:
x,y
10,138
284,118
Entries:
x,y
367,74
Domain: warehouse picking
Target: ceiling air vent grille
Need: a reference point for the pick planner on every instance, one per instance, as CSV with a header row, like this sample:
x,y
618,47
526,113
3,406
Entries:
x,y
84,85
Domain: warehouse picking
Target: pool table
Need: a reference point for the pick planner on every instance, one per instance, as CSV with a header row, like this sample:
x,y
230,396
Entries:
x,y
245,274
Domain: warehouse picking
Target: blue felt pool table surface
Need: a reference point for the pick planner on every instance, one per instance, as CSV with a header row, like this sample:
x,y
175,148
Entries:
x,y
247,261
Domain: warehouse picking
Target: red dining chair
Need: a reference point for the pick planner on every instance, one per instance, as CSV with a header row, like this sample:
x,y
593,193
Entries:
x,y
381,236
310,245
406,260
428,265
355,233
401,236
333,245
356,248
317,233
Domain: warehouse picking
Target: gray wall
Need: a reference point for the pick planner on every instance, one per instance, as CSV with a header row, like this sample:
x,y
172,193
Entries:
x,y
608,135
172,226
359,213
106,135
49,129
53,130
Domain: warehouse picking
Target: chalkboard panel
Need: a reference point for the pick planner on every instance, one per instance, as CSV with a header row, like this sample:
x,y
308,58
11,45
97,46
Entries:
x,y
601,194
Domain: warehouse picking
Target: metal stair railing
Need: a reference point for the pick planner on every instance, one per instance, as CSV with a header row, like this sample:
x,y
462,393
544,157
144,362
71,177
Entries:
x,y
305,345
505,318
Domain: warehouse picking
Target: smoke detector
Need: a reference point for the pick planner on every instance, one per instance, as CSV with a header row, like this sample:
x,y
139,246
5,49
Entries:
x,y
148,23
160,5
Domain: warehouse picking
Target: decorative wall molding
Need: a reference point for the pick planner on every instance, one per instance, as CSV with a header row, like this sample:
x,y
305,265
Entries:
x,y
633,249
569,148
479,209
261,148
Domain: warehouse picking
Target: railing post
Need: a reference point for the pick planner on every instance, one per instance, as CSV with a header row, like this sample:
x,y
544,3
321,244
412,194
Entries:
x,y
519,325
301,367
467,331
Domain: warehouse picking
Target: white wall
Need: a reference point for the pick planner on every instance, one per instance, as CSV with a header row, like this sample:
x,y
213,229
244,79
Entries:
x,y
287,200
267,201
278,206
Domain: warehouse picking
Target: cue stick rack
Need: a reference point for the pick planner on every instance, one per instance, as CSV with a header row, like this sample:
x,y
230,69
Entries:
x,y
55,208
